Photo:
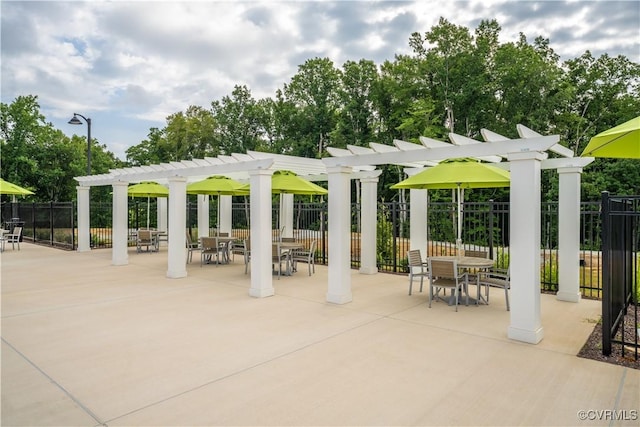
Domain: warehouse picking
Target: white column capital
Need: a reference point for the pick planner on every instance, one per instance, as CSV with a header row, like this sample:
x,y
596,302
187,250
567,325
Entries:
x,y
253,172
370,180
339,169
526,155
570,169
177,178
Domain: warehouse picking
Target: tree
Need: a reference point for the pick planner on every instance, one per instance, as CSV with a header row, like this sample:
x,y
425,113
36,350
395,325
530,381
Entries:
x,y
237,122
355,116
37,156
314,91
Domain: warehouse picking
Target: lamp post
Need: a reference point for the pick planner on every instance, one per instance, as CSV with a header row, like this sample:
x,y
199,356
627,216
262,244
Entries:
x,y
76,121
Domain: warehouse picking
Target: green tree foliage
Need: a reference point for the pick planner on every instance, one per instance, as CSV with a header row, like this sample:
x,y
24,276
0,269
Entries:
x,y
41,158
314,91
455,80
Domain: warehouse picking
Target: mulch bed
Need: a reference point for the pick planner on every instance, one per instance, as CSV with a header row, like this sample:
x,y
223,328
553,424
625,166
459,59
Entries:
x,y
592,349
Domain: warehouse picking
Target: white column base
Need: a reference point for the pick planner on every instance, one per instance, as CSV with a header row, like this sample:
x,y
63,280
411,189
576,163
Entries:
x,y
261,292
339,299
368,270
531,337
176,274
568,296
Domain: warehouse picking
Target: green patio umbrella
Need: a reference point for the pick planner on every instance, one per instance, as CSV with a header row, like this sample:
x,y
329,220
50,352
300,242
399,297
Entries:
x,y
7,187
622,141
457,174
218,185
13,190
148,189
288,182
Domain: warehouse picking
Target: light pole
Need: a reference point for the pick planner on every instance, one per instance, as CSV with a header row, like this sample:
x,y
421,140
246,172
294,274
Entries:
x,y
76,121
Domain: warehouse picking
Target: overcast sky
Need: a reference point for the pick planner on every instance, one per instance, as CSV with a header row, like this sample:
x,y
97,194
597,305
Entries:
x,y
127,65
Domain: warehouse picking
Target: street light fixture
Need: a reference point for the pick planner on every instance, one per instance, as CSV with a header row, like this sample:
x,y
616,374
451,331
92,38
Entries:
x,y
76,121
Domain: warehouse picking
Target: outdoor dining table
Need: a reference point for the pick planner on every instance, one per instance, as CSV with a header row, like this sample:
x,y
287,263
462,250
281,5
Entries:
x,y
468,262
225,242
288,246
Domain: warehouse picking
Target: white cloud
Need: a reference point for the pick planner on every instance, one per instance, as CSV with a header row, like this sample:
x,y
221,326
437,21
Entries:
x,y
136,62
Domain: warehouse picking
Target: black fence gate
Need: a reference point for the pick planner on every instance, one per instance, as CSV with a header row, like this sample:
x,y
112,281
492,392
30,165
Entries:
x,y
620,236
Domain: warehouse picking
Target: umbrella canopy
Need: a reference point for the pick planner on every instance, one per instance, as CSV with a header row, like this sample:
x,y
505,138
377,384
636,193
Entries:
x,y
7,187
148,189
218,185
622,141
457,174
288,182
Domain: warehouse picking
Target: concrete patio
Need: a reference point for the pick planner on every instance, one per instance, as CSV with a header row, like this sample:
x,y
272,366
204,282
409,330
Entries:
x,y
85,343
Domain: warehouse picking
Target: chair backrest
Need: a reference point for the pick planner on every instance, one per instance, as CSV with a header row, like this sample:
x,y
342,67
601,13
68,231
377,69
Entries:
x,y
476,253
415,258
209,243
312,248
17,231
144,235
189,242
447,269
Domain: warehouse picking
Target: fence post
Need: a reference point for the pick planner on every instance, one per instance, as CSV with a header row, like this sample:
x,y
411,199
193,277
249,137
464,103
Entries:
x,y
491,213
606,275
73,227
51,223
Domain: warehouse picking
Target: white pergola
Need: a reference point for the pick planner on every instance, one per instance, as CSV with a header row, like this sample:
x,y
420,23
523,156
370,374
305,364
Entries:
x,y
525,157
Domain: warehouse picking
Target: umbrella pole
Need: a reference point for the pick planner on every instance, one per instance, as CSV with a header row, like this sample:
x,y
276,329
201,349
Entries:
x,y
459,240
148,210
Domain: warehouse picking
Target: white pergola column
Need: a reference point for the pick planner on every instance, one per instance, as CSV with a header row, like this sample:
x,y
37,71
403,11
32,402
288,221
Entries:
x,y
418,236
286,214
177,252
162,216
339,277
120,231
225,205
368,220
569,234
84,226
524,247
203,215
261,276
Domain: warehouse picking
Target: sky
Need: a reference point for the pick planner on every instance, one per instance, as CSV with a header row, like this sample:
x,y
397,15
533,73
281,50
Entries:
x,y
127,65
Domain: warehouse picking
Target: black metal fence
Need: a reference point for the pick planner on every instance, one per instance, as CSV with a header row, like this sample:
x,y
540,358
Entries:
x,y
485,225
620,242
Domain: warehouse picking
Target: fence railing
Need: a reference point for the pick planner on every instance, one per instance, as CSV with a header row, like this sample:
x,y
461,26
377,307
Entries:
x,y
620,223
485,225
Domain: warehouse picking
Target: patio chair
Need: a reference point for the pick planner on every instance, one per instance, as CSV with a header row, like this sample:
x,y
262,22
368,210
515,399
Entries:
x,y
301,255
146,239
191,247
473,273
495,278
209,248
278,256
417,268
247,254
445,275
13,238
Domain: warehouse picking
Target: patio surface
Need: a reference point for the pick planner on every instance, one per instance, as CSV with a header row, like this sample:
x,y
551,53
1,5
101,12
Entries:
x,y
85,343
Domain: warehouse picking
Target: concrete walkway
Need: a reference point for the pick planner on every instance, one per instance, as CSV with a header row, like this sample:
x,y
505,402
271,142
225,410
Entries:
x,y
85,343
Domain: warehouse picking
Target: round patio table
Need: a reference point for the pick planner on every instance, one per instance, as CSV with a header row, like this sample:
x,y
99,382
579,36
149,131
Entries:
x,y
469,262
